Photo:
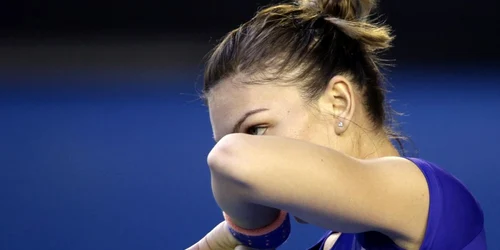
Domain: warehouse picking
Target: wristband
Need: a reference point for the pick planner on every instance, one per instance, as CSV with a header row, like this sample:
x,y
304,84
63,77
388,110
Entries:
x,y
269,237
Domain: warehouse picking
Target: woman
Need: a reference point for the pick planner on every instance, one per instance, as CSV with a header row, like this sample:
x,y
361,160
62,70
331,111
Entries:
x,y
297,108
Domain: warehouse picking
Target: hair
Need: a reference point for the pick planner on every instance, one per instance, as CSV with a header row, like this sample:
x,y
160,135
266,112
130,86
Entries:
x,y
312,40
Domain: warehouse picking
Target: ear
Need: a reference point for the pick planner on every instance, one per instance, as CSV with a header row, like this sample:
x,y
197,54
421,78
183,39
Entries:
x,y
339,100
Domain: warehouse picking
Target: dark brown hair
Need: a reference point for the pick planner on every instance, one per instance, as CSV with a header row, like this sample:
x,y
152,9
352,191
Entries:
x,y
313,40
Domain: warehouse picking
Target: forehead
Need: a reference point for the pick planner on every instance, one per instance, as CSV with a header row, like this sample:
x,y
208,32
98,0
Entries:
x,y
229,101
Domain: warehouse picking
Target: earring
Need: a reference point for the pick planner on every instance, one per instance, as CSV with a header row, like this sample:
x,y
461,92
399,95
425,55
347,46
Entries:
x,y
341,124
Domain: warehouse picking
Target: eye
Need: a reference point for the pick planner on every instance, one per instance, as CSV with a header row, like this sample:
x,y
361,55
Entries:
x,y
256,130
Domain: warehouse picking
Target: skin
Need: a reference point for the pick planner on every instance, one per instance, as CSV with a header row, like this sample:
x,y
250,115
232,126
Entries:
x,y
290,154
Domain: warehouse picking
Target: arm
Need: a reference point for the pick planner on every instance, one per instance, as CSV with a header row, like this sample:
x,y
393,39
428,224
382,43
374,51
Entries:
x,y
259,174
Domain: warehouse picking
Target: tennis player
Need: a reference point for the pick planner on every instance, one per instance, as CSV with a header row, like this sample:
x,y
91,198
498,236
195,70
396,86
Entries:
x,y
296,101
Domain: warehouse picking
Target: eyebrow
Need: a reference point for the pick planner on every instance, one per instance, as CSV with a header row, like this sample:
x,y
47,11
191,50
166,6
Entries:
x,y
238,124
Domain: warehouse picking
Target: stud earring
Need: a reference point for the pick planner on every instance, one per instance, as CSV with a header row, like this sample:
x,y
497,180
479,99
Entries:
x,y
341,124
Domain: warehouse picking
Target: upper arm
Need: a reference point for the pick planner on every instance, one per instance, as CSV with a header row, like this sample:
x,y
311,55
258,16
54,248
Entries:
x,y
328,188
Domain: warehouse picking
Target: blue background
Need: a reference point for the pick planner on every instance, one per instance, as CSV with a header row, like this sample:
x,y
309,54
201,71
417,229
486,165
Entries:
x,y
117,161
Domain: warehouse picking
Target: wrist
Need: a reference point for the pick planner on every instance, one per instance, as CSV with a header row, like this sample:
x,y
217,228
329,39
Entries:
x,y
268,237
253,216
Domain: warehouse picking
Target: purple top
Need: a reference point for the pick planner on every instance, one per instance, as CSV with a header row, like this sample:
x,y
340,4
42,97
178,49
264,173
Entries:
x,y
455,219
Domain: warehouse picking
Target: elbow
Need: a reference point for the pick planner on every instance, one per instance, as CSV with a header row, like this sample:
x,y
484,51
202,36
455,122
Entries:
x,y
221,154
226,159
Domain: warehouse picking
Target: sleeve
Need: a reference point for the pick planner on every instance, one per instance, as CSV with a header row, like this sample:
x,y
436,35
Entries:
x,y
321,242
455,219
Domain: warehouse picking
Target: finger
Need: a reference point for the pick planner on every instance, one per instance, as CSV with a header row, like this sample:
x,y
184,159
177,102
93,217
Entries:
x,y
196,246
240,247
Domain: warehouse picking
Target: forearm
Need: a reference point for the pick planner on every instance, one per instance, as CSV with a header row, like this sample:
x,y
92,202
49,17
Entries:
x,y
231,198
287,174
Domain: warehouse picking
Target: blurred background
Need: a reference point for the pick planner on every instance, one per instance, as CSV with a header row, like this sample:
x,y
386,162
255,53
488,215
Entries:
x,y
103,138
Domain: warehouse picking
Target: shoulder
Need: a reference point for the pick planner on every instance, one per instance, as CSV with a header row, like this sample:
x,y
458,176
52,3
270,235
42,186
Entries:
x,y
436,206
452,219
453,210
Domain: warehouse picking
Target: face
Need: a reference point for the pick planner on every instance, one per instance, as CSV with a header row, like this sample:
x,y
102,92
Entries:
x,y
270,109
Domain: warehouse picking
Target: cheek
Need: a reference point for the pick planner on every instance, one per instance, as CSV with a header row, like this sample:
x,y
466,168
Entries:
x,y
309,128
320,133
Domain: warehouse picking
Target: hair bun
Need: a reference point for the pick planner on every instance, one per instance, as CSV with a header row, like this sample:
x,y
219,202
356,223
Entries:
x,y
350,10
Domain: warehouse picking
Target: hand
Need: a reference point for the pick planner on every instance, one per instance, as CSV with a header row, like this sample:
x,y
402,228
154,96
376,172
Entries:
x,y
219,239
